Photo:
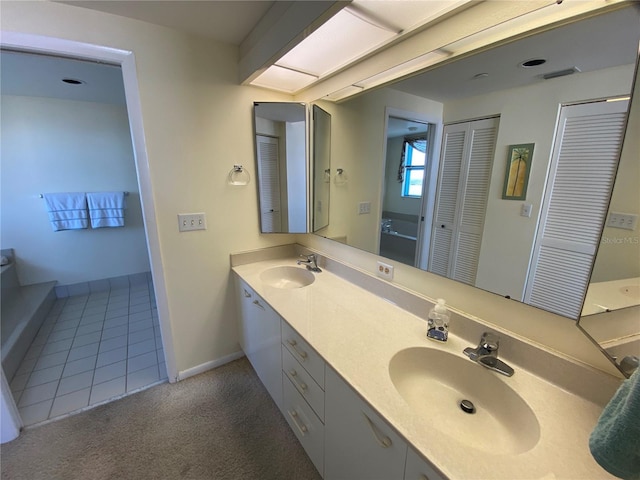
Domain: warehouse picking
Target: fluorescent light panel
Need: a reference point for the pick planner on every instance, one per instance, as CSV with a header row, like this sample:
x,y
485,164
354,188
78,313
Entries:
x,y
283,79
338,42
353,32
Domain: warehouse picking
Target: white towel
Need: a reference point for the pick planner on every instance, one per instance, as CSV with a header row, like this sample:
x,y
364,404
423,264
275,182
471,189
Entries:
x,y
106,209
67,211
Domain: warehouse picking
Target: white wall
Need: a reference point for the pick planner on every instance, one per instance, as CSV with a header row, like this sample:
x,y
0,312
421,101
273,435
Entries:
x,y
296,172
197,124
527,115
51,145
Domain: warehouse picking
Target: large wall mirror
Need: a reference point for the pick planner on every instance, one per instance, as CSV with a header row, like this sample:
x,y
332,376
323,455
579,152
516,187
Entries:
x,y
497,169
282,166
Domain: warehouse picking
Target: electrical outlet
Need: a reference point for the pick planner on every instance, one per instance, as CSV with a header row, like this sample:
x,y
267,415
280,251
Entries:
x,y
385,271
191,221
364,207
627,221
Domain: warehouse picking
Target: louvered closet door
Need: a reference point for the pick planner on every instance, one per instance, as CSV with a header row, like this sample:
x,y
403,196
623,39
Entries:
x,y
269,178
473,200
453,151
463,185
583,167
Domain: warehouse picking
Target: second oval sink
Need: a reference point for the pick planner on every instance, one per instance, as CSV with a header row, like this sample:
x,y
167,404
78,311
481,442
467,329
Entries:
x,y
287,277
434,383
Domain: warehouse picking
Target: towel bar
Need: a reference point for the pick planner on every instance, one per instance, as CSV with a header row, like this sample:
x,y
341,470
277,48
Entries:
x,y
125,194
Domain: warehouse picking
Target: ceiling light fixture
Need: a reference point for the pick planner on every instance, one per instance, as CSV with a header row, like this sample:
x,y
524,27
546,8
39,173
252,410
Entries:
x,y
353,32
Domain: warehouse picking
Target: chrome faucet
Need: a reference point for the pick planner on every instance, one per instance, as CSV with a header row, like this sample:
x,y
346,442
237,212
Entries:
x,y
486,354
311,262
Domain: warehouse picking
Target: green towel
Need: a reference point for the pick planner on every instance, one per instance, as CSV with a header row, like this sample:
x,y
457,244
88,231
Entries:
x,y
615,441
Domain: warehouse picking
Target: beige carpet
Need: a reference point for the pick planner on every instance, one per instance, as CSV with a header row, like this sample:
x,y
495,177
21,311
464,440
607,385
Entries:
x,y
221,424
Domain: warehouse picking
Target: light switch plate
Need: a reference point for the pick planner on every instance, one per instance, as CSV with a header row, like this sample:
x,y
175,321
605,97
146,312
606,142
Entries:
x,y
525,210
188,222
364,207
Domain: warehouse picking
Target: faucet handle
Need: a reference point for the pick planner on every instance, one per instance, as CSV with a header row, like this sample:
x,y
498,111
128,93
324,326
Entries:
x,y
490,341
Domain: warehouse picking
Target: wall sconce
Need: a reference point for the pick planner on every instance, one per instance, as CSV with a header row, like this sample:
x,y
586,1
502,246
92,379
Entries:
x,y
341,177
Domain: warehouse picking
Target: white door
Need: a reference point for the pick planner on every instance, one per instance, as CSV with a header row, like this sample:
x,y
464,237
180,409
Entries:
x,y
463,186
583,167
269,177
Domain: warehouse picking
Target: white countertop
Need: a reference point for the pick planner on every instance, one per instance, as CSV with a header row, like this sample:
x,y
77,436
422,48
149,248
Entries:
x,y
357,334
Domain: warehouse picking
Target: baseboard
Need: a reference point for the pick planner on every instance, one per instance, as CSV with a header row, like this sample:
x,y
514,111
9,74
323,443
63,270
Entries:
x,y
190,372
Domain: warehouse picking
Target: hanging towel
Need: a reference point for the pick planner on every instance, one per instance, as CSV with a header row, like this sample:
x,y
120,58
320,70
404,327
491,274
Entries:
x,y
67,211
106,209
615,441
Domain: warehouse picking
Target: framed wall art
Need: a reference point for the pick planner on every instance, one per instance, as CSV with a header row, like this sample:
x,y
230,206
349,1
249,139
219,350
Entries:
x,y
516,177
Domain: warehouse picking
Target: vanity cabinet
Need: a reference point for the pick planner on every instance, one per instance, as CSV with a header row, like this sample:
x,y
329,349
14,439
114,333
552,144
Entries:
x,y
260,338
303,372
341,434
358,443
419,469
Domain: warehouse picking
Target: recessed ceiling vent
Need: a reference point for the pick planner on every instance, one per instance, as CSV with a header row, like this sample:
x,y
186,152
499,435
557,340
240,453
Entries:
x,y
561,73
73,81
534,62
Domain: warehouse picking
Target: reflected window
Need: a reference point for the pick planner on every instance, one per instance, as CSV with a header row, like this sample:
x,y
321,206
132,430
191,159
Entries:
x,y
414,164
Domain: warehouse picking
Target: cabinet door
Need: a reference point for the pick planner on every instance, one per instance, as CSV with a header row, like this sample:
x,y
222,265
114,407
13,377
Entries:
x,y
419,469
358,443
260,339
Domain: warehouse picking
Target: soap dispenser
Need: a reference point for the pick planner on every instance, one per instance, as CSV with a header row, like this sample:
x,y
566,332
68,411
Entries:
x,y
438,322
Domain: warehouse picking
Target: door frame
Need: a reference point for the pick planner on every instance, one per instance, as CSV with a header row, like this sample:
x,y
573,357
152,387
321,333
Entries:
x,y
430,178
126,61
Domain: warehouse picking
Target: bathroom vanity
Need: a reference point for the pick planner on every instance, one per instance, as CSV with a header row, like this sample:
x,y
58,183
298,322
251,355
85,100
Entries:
x,y
369,396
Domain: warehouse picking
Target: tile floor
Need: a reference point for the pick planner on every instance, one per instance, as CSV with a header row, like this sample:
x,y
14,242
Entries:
x,y
90,348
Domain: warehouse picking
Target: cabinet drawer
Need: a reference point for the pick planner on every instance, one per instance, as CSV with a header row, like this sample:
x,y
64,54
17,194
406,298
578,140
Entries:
x,y
301,351
303,382
304,423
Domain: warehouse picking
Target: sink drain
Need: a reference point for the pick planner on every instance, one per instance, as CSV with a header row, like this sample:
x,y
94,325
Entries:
x,y
467,406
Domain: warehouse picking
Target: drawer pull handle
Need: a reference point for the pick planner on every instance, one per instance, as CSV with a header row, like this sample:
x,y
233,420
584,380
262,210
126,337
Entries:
x,y
294,344
247,294
296,419
302,385
258,304
383,440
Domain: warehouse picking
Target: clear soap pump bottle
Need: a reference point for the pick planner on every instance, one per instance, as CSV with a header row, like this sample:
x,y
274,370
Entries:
x,y
438,322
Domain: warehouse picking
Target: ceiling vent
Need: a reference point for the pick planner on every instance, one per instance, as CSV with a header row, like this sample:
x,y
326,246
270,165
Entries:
x,y
561,73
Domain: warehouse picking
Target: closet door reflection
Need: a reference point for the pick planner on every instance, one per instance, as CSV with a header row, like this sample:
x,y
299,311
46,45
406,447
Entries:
x,y
465,174
282,165
269,178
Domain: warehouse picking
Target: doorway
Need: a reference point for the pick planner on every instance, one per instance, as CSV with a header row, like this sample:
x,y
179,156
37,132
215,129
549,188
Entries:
x,y
408,189
136,291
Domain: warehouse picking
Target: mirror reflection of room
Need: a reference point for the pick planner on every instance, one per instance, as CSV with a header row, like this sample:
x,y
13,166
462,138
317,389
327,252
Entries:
x,y
281,159
407,153
532,105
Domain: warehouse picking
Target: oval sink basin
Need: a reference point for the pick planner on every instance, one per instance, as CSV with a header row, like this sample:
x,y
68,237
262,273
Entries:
x,y
434,383
287,277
